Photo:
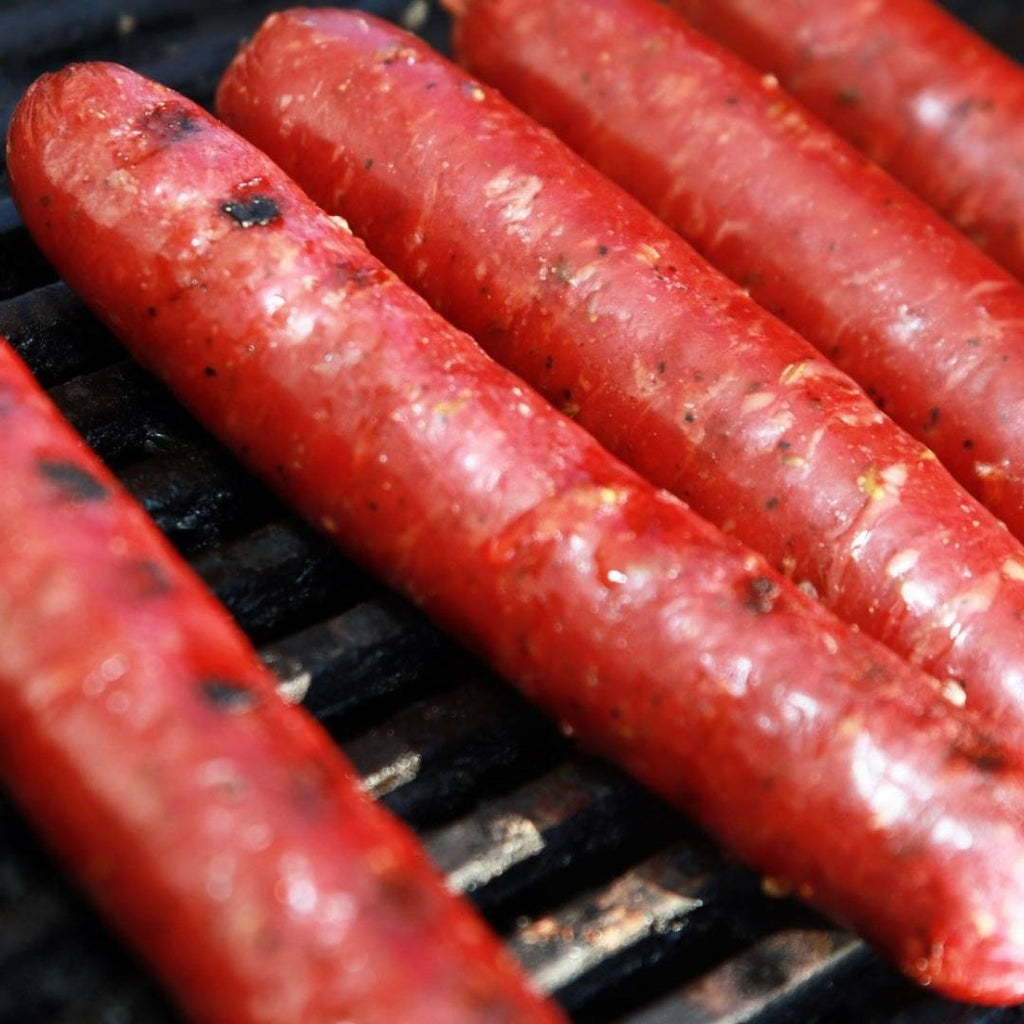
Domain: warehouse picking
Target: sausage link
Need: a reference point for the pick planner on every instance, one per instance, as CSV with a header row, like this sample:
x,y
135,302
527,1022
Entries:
x,y
568,281
220,829
911,86
878,282
809,748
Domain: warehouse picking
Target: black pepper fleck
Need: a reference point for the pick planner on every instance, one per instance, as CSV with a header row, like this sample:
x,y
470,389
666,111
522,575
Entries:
x,y
209,371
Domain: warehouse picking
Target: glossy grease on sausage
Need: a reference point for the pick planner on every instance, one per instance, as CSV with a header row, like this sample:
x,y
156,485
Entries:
x,y
219,828
877,281
568,281
919,92
811,750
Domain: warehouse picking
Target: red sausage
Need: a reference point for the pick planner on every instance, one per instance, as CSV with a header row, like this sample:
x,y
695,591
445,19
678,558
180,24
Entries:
x,y
218,827
572,284
872,277
813,751
911,86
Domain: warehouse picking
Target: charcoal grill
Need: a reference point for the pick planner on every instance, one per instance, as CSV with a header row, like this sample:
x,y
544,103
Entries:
x,y
612,901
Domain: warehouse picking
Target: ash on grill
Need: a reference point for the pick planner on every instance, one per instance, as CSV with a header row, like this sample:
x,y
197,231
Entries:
x,y
612,901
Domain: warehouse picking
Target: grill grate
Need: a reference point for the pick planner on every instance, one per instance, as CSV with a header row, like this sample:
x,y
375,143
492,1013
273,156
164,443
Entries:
x,y
610,900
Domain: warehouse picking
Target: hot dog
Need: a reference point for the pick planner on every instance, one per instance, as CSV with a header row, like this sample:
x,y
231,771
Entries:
x,y
910,85
877,281
565,279
812,750
218,827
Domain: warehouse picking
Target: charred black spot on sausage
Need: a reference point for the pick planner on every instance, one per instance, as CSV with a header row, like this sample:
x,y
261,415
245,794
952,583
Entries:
x,y
771,503
253,211
368,163
849,96
72,481
761,594
602,250
227,695
968,443
933,416
170,122
151,311
209,371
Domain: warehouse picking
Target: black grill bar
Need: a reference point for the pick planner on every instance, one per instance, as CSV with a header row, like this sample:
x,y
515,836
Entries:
x,y
54,333
275,579
613,902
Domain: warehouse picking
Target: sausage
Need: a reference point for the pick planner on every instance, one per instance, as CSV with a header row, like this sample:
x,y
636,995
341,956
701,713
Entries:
x,y
818,235
813,751
218,827
569,282
910,85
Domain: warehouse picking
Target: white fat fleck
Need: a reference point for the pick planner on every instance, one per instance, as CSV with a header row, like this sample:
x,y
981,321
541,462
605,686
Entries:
x,y
272,303
895,477
615,576
878,781
955,693
758,401
1013,569
908,325
341,223
949,832
859,543
902,563
917,597
931,110
799,709
514,194
736,678
285,101
301,324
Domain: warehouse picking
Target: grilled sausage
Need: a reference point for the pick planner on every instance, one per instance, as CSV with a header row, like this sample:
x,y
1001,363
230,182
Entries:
x,y
911,86
876,280
572,284
219,828
813,751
